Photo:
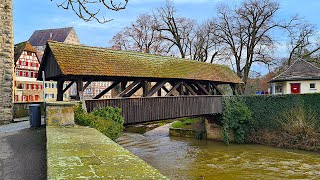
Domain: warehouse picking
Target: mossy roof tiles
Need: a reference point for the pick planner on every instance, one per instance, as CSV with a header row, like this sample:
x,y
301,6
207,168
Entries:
x,y
92,61
299,70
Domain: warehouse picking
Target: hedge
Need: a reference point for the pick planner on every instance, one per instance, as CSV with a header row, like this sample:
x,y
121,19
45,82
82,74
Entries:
x,y
267,109
264,112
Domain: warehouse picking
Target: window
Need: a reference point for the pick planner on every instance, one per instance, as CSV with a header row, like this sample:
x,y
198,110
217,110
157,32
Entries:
x,y
52,85
278,88
24,74
52,96
46,85
312,85
29,53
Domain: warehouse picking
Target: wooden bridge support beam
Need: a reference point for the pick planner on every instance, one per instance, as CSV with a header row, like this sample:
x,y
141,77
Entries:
x,y
79,96
87,84
114,84
68,86
155,88
60,90
174,88
129,88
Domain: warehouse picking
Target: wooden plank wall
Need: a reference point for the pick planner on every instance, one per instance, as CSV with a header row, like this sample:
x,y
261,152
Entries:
x,y
136,110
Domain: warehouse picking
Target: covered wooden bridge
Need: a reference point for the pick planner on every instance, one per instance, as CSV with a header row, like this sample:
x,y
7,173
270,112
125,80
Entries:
x,y
167,87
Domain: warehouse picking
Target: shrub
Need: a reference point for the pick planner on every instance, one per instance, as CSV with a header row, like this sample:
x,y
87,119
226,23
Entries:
x,y
107,120
299,121
236,116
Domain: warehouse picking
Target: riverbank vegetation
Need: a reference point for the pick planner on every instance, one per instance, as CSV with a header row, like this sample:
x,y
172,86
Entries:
x,y
288,121
189,127
107,120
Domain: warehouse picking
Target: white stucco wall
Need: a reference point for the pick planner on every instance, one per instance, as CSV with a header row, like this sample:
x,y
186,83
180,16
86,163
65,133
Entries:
x,y
304,86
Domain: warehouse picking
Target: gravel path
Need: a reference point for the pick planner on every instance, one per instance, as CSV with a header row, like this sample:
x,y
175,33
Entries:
x,y
19,124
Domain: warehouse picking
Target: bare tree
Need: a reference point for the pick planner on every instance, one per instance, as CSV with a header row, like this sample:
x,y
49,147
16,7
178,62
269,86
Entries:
x,y
141,36
176,30
84,9
247,32
204,46
303,42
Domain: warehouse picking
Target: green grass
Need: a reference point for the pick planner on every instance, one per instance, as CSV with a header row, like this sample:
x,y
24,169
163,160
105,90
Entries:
x,y
186,123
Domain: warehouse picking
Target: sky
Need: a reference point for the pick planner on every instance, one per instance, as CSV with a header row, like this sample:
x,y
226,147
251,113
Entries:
x,y
31,15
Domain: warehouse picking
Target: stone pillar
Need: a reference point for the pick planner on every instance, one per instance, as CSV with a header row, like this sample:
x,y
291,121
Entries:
x,y
60,114
6,61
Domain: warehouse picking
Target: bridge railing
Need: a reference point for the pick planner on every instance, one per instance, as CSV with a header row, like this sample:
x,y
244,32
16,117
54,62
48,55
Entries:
x,y
136,110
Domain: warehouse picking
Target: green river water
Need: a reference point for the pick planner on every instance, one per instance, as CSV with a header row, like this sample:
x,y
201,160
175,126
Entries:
x,y
184,158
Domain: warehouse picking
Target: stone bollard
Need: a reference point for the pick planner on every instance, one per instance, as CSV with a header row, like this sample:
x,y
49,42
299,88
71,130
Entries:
x,y
60,114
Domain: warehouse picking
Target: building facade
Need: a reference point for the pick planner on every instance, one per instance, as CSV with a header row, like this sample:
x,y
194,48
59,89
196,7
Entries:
x,y
26,86
300,78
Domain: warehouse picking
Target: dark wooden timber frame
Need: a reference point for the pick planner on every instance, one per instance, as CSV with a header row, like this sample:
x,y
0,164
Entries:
x,y
149,87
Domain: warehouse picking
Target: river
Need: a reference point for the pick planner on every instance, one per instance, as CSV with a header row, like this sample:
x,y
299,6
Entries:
x,y
185,158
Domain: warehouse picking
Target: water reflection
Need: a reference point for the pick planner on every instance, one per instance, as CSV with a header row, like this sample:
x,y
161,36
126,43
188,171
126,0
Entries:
x,y
183,158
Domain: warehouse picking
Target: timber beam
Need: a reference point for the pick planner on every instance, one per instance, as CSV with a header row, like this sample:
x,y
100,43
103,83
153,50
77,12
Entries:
x,y
219,91
129,88
174,88
68,86
87,84
60,90
114,84
155,88
135,89
202,88
79,89
188,88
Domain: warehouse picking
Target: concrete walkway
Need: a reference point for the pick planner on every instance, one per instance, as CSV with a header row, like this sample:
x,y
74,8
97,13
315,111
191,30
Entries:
x,y
85,153
22,152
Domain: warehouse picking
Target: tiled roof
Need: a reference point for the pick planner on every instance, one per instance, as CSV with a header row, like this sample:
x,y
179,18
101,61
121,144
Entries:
x,y
40,37
19,48
299,70
92,61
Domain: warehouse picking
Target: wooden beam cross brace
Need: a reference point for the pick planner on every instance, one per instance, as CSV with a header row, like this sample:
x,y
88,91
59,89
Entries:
x,y
68,86
87,84
189,89
175,87
127,89
114,84
218,89
202,88
155,88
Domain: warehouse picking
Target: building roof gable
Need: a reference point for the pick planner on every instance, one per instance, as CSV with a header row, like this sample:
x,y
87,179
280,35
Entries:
x,y
20,47
78,60
299,70
40,37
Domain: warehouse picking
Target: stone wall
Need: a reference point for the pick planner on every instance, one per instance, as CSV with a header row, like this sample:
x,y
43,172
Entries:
x,y
60,114
6,61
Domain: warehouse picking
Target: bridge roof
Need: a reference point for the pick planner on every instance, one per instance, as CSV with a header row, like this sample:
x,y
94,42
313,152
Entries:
x,y
62,59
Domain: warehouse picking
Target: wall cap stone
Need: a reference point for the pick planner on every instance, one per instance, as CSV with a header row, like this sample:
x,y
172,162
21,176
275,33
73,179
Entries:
x,y
60,104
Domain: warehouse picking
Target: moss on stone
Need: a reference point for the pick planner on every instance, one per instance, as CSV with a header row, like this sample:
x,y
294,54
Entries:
x,y
85,153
